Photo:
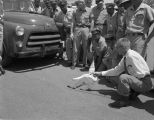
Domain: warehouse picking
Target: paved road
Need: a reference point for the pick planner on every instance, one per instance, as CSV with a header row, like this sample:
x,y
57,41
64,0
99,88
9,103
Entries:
x,y
35,89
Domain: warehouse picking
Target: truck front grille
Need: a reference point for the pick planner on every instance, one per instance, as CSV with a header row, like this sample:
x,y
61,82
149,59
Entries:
x,y
44,38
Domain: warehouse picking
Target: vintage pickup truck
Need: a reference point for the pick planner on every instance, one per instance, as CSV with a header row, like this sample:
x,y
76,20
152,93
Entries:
x,y
26,33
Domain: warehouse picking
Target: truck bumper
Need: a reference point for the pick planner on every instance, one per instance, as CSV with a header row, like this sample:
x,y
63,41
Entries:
x,y
39,51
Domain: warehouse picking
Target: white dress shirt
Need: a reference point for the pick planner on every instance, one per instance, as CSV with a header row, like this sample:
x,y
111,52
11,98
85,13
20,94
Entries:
x,y
135,65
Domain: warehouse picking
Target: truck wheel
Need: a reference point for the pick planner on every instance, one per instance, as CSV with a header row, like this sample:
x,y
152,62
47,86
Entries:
x,y
6,60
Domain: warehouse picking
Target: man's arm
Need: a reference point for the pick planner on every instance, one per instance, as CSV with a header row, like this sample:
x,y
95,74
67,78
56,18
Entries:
x,y
112,72
150,17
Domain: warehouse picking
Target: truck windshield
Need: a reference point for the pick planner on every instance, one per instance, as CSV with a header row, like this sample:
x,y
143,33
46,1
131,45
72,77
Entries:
x,y
18,5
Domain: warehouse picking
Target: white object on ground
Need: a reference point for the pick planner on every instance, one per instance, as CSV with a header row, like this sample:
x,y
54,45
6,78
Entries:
x,y
86,76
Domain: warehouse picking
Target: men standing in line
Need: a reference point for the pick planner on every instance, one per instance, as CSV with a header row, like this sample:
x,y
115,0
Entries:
x,y
139,18
1,35
82,24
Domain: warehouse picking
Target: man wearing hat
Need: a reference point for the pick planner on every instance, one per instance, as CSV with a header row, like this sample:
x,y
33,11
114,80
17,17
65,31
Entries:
x,y
120,26
51,8
48,9
139,18
82,26
99,16
37,7
133,74
119,29
99,52
111,23
65,18
88,3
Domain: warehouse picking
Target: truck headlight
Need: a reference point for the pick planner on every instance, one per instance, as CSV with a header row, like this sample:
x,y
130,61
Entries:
x,y
19,31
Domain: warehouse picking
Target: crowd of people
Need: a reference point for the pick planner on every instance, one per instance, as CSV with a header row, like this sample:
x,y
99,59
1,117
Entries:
x,y
114,21
109,42
112,39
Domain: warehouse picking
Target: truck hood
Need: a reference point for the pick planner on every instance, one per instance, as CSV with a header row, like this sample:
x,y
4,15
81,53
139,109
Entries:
x,y
27,18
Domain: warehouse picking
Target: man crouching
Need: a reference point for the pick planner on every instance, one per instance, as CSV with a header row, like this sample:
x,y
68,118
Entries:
x,y
98,55
133,71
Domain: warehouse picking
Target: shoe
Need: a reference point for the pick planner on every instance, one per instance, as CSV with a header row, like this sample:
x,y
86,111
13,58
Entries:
x,y
119,104
72,67
133,95
69,63
2,70
71,87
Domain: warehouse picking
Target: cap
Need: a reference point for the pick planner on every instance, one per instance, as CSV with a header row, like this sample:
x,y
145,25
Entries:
x,y
62,3
119,2
96,30
53,1
79,1
110,5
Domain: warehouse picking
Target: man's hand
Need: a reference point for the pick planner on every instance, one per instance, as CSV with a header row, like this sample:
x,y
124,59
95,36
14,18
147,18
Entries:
x,y
91,70
97,74
71,36
144,50
90,35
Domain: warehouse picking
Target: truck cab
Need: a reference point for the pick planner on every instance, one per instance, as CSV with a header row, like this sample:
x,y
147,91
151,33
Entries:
x,y
27,33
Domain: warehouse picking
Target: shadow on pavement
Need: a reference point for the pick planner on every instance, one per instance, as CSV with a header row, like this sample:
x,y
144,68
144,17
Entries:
x,y
147,105
31,64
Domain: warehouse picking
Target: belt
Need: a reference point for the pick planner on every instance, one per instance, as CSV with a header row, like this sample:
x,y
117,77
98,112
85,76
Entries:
x,y
135,34
98,24
83,26
147,75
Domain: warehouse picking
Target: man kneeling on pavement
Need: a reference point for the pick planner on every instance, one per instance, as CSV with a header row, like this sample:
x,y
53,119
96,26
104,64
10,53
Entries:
x,y
133,71
99,57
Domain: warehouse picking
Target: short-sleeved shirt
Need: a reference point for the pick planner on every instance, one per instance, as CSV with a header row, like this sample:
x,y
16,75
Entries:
x,y
82,17
1,10
66,19
99,46
99,15
139,21
111,24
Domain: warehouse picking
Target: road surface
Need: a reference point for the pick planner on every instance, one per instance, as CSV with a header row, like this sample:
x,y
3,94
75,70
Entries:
x,y
35,89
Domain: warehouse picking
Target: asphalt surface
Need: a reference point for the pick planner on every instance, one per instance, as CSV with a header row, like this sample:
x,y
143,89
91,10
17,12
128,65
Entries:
x,y
36,89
